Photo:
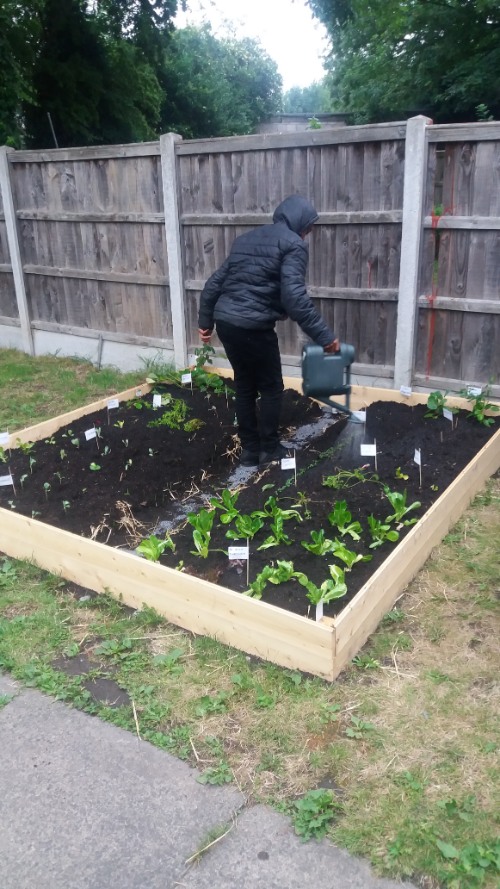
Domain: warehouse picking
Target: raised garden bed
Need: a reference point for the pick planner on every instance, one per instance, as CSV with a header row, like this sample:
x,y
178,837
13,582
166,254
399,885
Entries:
x,y
135,474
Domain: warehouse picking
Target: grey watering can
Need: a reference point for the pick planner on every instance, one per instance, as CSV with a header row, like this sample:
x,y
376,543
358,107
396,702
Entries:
x,y
325,374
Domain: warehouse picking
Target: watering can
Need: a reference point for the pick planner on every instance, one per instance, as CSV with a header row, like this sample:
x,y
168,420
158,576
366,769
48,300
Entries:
x,y
325,374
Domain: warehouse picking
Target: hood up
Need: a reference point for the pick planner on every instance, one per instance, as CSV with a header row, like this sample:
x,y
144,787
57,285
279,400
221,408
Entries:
x,y
296,212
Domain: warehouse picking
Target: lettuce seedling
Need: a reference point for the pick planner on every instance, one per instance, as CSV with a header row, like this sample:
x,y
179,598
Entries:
x,y
341,518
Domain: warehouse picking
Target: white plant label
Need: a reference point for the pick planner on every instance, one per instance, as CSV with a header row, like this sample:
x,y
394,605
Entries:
x,y
237,552
417,457
405,390
114,403
90,434
288,463
448,415
138,392
156,400
368,450
4,438
319,610
474,391
6,480
186,378
359,415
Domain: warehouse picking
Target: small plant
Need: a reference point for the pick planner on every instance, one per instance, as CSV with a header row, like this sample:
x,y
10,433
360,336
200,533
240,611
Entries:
x,y
216,775
23,479
152,547
380,532
314,812
3,456
227,505
346,478
341,518
245,526
25,446
333,588
348,556
365,662
398,503
202,523
400,474
46,488
436,404
358,729
281,573
66,505
94,467
319,545
479,406
32,464
62,454
279,517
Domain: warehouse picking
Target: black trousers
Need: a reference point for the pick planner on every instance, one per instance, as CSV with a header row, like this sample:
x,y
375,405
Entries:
x,y
255,358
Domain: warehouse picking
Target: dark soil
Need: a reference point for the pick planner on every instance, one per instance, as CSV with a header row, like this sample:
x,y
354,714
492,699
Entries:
x,y
149,477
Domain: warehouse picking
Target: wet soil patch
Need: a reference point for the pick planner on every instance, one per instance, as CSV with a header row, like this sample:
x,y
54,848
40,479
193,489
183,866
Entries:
x,y
135,477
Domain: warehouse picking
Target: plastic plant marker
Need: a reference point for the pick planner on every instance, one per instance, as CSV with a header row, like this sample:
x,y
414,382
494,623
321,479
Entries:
x,y
448,415
90,434
370,450
405,390
6,480
113,403
360,415
417,458
156,401
243,554
4,439
290,463
319,611
474,391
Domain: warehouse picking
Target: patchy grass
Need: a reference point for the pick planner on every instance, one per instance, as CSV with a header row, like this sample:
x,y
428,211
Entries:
x,y
35,389
406,743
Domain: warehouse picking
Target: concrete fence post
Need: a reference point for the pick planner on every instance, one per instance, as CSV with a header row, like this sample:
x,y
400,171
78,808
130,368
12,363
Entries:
x,y
411,239
174,248
14,250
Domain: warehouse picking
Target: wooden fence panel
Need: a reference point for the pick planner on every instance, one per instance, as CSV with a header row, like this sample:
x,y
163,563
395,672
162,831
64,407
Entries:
x,y
354,249
93,242
459,315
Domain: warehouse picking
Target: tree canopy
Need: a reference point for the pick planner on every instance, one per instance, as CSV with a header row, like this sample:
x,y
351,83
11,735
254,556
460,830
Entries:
x,y
87,72
313,99
395,58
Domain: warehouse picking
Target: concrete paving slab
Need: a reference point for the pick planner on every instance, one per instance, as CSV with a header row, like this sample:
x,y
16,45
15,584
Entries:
x,y
263,852
86,805
8,686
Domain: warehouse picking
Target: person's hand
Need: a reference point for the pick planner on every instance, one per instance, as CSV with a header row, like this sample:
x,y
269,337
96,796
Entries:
x,y
332,347
205,335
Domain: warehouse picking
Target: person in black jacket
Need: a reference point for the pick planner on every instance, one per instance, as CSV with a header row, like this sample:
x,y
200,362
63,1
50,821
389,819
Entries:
x,y
263,281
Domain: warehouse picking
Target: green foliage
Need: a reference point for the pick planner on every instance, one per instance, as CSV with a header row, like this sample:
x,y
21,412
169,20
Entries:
x,y
217,86
152,547
346,478
245,526
348,556
280,573
380,532
398,503
313,814
341,518
320,545
312,99
332,588
479,406
202,523
226,503
436,403
397,58
216,775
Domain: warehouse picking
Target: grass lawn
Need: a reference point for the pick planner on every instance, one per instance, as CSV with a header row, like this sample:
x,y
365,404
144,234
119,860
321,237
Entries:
x,y
401,752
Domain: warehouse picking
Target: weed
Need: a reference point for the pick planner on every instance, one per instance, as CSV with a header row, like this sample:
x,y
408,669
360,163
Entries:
x,y
313,814
219,774
358,728
4,700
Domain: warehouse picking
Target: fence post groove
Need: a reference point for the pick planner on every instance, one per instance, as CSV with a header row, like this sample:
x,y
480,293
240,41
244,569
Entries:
x,y
174,249
411,238
14,250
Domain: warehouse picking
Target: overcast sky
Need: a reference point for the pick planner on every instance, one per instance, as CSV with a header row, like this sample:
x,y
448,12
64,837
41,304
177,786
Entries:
x,y
285,28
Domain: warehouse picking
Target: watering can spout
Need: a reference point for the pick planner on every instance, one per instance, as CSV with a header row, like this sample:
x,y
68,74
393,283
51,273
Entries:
x,y
326,374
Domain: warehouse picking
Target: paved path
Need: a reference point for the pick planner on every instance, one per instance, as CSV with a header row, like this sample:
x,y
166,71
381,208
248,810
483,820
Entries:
x,y
86,805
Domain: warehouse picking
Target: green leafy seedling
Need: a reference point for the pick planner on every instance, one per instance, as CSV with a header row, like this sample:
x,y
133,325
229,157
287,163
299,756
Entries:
x,y
202,523
320,545
341,518
152,547
436,403
245,526
226,503
348,556
479,406
380,532
398,503
313,814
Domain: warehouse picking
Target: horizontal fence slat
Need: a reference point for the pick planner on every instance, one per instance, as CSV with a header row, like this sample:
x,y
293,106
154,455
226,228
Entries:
x,y
375,294
458,304
355,217
98,152
464,132
76,216
9,322
5,267
479,223
441,383
93,275
334,136
105,335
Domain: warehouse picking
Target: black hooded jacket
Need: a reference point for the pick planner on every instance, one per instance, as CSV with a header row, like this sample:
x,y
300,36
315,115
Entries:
x,y
263,278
